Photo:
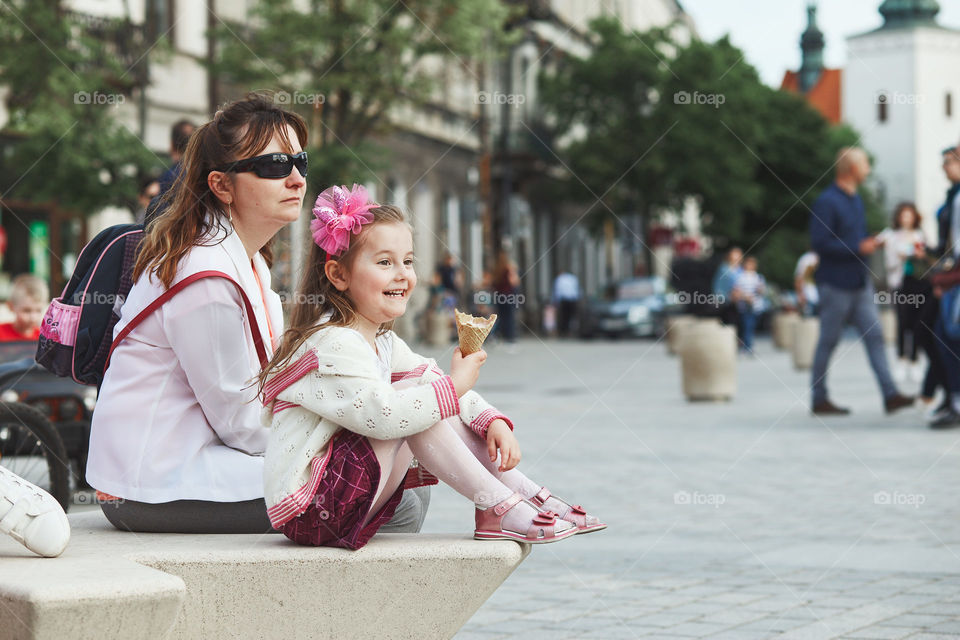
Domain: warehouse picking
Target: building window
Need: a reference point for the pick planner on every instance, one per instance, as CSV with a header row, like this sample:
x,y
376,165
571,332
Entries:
x,y
948,104
160,19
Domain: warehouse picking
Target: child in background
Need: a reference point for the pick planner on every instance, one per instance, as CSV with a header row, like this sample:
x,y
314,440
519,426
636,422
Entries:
x,y
350,404
29,297
748,290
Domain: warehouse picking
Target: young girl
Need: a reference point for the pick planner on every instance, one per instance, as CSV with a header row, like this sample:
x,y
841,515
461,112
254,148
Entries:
x,y
350,404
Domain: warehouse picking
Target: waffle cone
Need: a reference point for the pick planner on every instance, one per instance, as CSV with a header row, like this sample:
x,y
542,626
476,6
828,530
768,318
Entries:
x,y
472,331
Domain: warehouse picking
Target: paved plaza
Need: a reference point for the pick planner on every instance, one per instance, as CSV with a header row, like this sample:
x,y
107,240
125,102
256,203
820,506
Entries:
x,y
746,519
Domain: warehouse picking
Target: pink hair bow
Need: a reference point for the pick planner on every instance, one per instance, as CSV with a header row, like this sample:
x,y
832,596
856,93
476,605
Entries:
x,y
339,212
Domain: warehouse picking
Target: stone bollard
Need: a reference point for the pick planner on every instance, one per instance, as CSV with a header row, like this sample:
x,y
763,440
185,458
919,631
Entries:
x,y
708,355
438,328
675,329
782,329
806,332
888,322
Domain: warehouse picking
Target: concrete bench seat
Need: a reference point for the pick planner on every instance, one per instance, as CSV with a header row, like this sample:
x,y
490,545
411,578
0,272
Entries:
x,y
111,584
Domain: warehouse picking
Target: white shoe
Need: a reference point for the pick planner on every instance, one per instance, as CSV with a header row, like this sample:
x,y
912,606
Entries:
x,y
32,516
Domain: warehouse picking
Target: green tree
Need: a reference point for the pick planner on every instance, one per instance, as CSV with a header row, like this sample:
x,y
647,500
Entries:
x,y
660,123
64,85
346,63
606,104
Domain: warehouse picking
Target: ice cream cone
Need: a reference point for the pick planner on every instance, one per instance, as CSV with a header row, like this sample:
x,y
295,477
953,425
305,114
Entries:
x,y
472,331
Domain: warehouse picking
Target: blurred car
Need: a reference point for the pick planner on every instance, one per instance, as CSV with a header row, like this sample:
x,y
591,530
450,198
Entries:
x,y
633,307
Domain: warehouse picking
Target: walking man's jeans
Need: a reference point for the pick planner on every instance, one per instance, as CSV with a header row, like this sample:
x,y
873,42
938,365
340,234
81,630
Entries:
x,y
839,307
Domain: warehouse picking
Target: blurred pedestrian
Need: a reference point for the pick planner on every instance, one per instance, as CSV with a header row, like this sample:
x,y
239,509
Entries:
x,y
506,287
723,281
900,243
838,233
29,297
945,285
450,277
748,291
566,298
149,189
179,138
804,283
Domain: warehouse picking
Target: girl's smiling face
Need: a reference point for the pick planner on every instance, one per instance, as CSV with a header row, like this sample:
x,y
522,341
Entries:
x,y
381,278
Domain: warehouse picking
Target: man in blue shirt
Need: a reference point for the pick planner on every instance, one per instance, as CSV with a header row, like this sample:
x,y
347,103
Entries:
x,y
838,234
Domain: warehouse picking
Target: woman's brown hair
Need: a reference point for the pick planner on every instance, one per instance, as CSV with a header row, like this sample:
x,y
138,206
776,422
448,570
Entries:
x,y
900,208
316,295
238,130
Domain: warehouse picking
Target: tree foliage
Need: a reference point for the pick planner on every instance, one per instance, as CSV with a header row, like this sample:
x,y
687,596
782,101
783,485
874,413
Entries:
x,y
654,122
345,64
64,85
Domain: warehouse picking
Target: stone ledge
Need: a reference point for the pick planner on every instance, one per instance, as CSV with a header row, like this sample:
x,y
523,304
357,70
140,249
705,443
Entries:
x,y
110,584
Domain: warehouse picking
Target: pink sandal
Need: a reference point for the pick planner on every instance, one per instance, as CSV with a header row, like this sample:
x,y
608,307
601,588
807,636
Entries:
x,y
577,515
541,531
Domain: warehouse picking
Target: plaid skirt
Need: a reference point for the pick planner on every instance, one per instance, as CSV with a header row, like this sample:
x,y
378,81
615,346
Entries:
x,y
343,498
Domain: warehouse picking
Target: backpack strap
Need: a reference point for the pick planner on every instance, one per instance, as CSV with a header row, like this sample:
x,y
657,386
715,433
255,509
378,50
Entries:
x,y
174,290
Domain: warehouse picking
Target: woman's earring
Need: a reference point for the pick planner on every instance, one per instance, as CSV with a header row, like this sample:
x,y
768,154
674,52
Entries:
x,y
229,213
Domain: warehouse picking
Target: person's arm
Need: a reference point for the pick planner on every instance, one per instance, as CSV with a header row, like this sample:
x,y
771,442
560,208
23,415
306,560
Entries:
x,y
823,235
371,407
344,386
475,412
208,334
799,281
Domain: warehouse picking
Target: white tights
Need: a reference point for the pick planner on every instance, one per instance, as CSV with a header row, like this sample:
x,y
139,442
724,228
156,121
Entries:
x,y
459,458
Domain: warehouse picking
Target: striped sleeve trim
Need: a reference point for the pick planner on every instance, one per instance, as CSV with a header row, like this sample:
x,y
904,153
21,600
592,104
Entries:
x,y
296,503
482,422
280,405
446,397
303,365
397,376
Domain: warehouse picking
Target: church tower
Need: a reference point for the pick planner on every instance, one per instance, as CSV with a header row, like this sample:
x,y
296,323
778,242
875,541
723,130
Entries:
x,y
811,46
900,91
817,84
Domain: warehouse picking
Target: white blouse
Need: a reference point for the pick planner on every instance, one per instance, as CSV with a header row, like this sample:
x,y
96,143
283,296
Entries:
x,y
177,417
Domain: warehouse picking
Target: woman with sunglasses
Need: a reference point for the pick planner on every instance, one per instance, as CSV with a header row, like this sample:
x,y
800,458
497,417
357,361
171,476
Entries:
x,y
176,441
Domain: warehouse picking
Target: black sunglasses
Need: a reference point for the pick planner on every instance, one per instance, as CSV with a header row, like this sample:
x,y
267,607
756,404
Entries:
x,y
270,165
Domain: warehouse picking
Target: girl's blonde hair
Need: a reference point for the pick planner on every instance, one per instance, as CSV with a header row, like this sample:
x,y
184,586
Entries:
x,y
316,296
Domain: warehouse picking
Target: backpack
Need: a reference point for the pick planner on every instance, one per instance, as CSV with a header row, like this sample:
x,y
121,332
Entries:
x,y
76,334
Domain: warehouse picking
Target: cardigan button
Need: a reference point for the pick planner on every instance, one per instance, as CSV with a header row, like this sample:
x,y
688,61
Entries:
x,y
324,515
320,499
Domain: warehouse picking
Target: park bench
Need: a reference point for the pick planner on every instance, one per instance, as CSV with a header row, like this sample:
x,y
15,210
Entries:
x,y
114,585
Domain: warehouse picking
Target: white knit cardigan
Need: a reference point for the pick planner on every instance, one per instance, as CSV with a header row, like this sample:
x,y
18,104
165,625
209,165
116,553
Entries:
x,y
333,383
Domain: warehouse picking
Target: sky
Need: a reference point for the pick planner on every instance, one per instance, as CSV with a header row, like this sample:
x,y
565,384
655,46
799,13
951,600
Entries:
x,y
768,31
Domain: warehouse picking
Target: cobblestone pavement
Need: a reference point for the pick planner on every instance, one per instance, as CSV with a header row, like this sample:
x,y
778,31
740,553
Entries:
x,y
746,519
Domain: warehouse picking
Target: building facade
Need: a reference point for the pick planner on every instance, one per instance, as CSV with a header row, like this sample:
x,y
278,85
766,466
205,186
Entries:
x,y
900,91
